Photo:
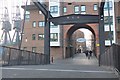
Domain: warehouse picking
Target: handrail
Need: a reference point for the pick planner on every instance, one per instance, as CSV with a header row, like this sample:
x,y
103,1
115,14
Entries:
x,y
14,56
111,57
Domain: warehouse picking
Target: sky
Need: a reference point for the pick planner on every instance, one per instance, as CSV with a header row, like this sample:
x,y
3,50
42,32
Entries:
x,y
10,4
87,34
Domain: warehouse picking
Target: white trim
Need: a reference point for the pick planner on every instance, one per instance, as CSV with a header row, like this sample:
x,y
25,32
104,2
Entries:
x,y
114,41
60,70
107,42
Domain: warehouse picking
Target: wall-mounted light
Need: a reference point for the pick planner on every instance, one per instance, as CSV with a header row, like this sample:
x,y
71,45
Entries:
x,y
26,39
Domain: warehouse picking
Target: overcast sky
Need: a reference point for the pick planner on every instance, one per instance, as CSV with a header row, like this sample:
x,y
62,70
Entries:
x,y
87,33
10,4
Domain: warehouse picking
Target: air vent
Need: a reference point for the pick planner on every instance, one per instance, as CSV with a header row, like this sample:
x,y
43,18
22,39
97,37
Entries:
x,y
69,3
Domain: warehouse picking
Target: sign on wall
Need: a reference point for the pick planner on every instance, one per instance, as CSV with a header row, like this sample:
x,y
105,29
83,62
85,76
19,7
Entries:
x,y
81,40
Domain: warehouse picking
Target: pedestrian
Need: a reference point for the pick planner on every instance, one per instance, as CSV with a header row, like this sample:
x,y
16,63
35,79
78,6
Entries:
x,y
80,50
52,59
86,53
90,53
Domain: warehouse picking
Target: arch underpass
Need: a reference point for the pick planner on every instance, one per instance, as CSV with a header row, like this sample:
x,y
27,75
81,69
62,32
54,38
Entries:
x,y
91,27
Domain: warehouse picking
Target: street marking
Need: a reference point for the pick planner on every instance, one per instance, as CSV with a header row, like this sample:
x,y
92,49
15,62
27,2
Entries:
x,y
59,70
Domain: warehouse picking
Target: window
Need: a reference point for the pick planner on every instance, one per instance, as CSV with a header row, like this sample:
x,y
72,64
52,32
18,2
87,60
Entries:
x,y
107,27
108,4
39,12
34,24
41,23
40,36
106,18
76,9
33,37
40,1
53,26
33,49
54,37
119,21
54,9
118,18
69,3
95,7
83,8
108,34
64,9
24,48
27,15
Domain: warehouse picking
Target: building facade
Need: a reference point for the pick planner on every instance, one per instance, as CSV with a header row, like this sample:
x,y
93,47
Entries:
x,y
117,21
61,36
112,20
109,22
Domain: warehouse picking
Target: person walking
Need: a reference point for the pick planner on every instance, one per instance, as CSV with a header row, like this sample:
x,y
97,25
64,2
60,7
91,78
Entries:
x,y
86,53
90,53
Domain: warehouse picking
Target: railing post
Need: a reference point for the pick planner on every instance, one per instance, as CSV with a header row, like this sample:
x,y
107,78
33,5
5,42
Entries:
x,y
9,56
40,58
35,57
19,57
99,59
3,56
29,58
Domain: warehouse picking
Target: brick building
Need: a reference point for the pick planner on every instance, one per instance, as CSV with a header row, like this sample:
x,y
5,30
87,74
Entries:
x,y
117,20
61,36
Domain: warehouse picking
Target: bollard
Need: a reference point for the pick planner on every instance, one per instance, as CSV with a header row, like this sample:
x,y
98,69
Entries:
x,y
52,59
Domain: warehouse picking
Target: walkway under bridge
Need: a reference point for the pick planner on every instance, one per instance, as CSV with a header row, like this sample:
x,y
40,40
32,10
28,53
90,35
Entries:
x,y
77,67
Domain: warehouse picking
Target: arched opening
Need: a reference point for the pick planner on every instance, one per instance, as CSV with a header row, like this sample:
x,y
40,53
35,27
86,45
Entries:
x,y
71,47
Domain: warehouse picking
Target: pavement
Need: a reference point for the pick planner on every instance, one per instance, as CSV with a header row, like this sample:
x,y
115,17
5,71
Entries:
x,y
77,67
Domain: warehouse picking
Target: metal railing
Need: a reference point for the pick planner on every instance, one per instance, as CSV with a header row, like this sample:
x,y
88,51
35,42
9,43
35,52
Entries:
x,y
111,58
13,56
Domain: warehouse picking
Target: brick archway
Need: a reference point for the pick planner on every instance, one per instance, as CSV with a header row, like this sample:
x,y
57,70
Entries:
x,y
71,29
